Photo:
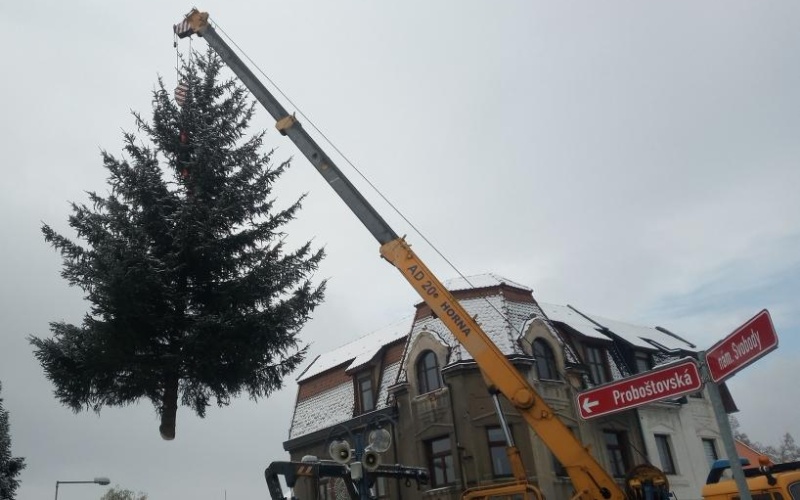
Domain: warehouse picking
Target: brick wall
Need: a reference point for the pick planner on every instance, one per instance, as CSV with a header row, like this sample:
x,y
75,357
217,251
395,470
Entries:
x,y
322,382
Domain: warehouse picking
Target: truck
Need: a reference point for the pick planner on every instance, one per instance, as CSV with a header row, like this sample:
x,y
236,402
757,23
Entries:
x,y
768,481
589,479
318,469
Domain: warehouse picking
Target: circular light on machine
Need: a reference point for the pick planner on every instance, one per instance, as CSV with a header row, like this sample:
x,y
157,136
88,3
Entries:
x,y
380,440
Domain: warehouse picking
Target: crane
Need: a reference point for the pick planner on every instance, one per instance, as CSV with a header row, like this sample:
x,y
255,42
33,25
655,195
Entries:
x,y
590,480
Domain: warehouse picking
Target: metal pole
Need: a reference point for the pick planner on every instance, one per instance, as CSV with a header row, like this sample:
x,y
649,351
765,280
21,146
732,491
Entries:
x,y
363,488
725,431
99,480
501,416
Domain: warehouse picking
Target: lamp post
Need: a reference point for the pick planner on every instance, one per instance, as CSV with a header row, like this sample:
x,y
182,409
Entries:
x,y
98,480
363,457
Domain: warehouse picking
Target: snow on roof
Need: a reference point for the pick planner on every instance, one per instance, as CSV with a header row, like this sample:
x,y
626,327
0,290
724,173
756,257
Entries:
x,y
640,336
500,318
323,410
563,314
569,352
481,281
360,351
487,311
336,405
389,377
643,336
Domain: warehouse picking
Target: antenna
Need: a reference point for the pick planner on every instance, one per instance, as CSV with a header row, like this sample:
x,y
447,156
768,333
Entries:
x,y
675,335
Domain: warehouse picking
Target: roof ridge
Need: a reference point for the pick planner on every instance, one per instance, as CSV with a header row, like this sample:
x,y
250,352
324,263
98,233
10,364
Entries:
x,y
476,281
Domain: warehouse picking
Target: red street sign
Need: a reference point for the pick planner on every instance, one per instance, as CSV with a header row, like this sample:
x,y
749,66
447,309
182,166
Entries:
x,y
670,381
748,343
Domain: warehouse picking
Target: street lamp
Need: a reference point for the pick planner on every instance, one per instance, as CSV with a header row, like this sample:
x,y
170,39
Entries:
x,y
98,480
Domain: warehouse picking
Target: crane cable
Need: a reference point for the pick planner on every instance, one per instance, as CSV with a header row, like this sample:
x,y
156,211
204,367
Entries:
x,y
178,75
218,28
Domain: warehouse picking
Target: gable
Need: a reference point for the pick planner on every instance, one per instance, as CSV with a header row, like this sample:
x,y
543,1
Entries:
x,y
358,352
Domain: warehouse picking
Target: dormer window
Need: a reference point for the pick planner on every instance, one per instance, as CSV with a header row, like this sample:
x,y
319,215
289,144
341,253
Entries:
x,y
366,393
545,360
428,378
595,360
643,363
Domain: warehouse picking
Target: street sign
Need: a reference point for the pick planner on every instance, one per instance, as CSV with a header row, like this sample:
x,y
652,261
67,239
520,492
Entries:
x,y
748,343
670,381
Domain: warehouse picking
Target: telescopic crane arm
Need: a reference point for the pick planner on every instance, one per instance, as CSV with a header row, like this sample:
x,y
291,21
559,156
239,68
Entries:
x,y
590,480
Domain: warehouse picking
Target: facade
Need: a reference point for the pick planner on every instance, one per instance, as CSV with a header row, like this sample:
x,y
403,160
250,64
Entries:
x,y
751,454
415,380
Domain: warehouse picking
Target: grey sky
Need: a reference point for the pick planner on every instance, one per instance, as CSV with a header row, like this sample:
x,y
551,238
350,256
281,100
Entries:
x,y
636,160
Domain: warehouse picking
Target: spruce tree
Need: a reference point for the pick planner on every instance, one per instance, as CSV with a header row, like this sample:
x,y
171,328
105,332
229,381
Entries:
x,y
118,493
788,450
194,297
10,467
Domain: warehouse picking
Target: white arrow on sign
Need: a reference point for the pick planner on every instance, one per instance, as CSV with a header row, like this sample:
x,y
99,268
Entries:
x,y
588,404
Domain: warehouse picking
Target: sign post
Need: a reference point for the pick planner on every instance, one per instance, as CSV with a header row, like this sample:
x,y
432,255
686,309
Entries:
x,y
745,345
725,432
670,381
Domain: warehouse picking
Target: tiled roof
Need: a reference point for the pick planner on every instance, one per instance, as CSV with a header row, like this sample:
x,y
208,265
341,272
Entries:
x,y
643,336
358,352
640,336
563,314
388,379
481,281
336,405
323,410
503,319
500,318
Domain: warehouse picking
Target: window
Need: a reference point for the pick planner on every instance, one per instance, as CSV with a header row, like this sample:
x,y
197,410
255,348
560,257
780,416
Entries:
x,y
597,366
617,448
665,454
710,450
545,360
794,490
775,495
440,460
642,360
501,466
366,398
428,373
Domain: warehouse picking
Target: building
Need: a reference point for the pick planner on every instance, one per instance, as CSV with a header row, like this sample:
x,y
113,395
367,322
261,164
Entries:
x,y
751,454
415,380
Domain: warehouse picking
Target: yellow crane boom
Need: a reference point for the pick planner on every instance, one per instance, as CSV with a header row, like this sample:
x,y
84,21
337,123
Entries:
x,y
589,478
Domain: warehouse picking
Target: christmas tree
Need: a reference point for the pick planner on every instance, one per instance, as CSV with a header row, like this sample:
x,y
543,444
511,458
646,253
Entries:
x,y
194,297
10,467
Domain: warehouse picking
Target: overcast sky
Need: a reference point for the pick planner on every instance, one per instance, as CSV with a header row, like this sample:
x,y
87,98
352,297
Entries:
x,y
637,160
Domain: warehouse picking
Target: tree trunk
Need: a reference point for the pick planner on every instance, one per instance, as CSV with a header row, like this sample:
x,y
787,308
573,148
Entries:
x,y
169,408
